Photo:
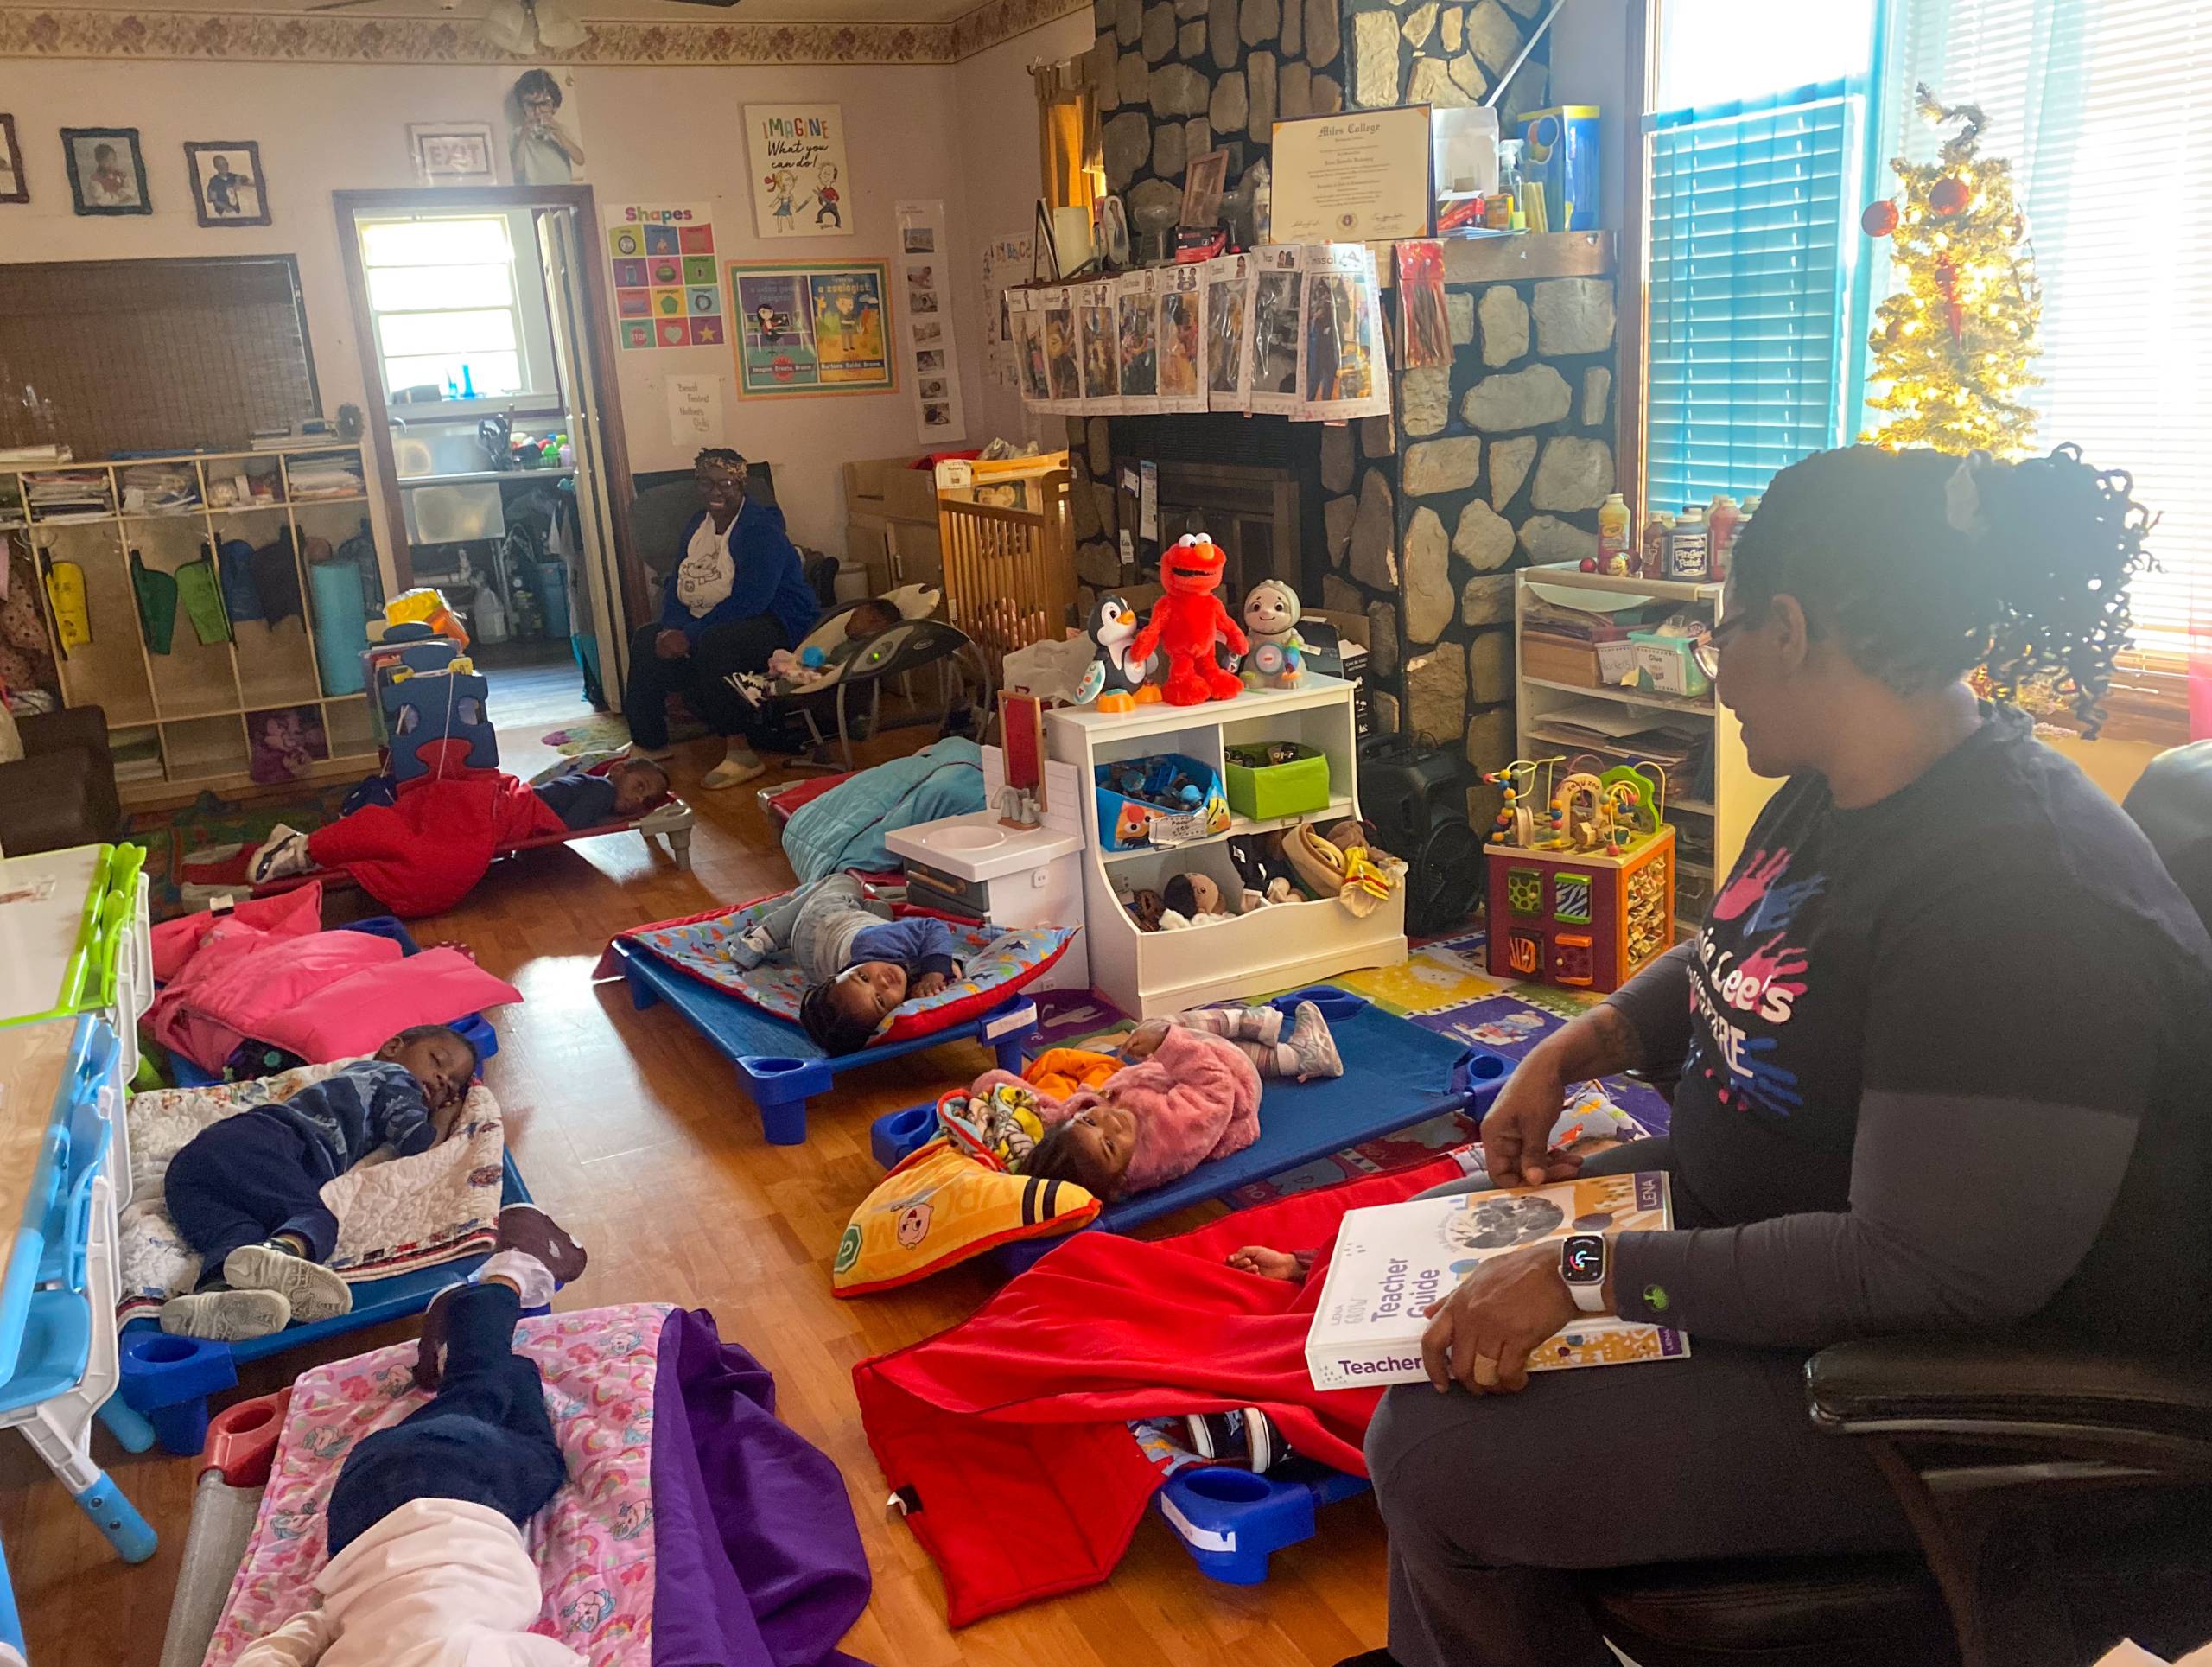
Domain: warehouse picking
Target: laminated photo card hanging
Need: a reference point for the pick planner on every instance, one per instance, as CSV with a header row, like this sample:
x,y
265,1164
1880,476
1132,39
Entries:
x,y
1182,338
1273,384
1031,371
1228,315
1055,308
1099,347
1341,372
1136,301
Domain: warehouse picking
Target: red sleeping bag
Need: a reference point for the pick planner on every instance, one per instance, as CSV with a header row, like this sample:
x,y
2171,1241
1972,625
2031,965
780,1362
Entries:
x,y
1008,1434
424,852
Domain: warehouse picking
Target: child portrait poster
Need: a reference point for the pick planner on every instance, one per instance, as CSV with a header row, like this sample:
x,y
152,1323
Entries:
x,y
107,173
227,188
801,185
812,327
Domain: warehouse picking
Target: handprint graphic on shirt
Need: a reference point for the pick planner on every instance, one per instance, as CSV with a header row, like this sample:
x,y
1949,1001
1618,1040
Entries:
x,y
1751,892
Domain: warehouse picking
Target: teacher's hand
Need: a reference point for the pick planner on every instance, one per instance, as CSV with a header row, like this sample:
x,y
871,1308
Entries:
x,y
1480,1336
671,644
1519,1124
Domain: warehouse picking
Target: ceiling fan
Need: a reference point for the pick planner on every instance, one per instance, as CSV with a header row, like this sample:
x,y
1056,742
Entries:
x,y
521,26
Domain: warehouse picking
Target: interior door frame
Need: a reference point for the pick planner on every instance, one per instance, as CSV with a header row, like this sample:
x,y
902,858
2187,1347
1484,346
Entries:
x,y
598,341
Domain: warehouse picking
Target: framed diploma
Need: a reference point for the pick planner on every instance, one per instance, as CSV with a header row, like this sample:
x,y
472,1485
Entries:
x,y
1357,176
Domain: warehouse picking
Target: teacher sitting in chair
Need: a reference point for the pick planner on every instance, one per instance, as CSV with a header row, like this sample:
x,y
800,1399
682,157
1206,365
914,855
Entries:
x,y
737,594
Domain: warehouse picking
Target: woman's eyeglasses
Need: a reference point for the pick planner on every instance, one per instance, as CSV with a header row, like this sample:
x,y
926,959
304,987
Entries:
x,y
1707,650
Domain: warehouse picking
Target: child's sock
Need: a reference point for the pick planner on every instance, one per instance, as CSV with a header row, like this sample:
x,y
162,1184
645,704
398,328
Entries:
x,y
282,854
313,1291
227,1316
739,763
1312,1047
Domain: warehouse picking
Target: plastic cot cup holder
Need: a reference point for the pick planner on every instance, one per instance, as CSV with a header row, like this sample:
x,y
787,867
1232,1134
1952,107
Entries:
x,y
1222,1485
774,1065
162,1350
1337,1005
1484,1068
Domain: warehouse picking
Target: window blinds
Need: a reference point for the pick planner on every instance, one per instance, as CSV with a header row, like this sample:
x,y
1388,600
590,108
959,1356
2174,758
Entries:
x,y
1749,205
2105,108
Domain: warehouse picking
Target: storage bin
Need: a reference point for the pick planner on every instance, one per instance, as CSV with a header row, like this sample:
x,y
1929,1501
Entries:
x,y
1261,790
1665,665
1128,823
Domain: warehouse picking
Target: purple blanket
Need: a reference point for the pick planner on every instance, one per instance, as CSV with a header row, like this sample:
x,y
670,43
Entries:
x,y
757,1558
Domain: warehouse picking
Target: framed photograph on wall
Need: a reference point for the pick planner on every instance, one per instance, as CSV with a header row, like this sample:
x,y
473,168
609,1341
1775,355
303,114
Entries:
x,y
14,187
227,188
815,328
452,153
107,172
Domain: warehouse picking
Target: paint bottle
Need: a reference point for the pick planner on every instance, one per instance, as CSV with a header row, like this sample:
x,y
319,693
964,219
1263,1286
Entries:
x,y
1689,547
1612,535
1656,525
1721,521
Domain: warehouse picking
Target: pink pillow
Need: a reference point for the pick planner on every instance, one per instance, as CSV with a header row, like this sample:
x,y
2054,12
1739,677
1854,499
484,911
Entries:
x,y
359,1013
288,915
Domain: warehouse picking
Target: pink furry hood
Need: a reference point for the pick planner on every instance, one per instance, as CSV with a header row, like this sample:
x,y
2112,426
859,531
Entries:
x,y
1197,1097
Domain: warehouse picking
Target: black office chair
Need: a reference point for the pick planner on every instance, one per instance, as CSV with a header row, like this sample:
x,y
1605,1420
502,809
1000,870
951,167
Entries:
x,y
2062,1495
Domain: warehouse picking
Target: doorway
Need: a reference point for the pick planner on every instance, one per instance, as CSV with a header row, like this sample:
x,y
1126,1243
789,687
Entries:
x,y
488,357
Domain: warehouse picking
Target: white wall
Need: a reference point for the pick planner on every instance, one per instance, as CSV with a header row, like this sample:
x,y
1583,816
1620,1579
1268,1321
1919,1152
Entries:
x,y
655,134
1000,164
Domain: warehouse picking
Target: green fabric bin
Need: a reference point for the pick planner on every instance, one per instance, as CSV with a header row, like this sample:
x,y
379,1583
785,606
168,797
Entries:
x,y
1262,791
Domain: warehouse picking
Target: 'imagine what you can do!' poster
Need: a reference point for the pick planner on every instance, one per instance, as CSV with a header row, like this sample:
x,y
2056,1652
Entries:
x,y
800,186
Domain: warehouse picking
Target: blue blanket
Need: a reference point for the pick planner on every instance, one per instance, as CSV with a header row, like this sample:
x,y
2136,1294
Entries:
x,y
845,827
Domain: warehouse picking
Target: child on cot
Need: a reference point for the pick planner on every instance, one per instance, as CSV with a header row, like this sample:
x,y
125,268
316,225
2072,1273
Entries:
x,y
378,833
1307,1050
859,963
246,1192
429,1566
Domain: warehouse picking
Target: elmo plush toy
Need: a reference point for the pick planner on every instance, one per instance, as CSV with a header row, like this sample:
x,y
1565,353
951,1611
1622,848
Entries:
x,y
1185,621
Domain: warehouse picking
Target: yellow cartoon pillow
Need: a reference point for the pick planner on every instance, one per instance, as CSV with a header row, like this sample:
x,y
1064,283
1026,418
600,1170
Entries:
x,y
941,1206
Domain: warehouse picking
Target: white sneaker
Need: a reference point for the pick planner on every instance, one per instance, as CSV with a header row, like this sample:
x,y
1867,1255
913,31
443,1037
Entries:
x,y
313,1291
227,1316
283,854
1312,1044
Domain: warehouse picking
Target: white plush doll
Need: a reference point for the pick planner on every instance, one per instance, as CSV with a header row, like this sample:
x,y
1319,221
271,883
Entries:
x,y
1271,614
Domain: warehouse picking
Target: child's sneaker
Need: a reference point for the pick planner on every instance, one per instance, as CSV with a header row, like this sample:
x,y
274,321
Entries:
x,y
313,1291
1313,1046
283,854
227,1316
1247,1437
525,1227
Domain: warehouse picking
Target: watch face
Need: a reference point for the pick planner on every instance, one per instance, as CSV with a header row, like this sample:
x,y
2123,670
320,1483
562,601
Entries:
x,y
1582,1259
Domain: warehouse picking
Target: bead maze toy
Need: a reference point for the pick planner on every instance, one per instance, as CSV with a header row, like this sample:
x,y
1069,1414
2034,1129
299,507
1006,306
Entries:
x,y
1582,891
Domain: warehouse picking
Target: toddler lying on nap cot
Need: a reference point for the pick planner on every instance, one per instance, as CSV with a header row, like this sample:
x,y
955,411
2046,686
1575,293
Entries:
x,y
429,1566
246,1192
1300,1046
859,963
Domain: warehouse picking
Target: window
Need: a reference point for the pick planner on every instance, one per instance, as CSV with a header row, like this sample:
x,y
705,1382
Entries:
x,y
456,309
1755,158
2105,110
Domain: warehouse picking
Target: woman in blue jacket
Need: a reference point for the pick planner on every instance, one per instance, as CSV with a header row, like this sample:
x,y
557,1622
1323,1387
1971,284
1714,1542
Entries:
x,y
737,595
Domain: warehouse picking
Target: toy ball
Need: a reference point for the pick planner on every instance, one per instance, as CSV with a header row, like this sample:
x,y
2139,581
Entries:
x,y
1879,219
813,659
1948,197
1589,563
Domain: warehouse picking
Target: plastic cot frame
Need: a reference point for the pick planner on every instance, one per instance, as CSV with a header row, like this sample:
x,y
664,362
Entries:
x,y
778,1063
167,1379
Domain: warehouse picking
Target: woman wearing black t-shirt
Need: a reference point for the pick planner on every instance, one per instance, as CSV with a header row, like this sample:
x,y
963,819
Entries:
x,y
1935,1043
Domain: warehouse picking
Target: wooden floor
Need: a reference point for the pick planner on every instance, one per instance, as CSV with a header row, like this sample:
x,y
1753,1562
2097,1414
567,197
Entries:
x,y
633,1131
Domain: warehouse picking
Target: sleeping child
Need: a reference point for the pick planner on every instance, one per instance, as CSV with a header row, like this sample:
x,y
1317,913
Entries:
x,y
428,1566
246,1192
858,962
1306,1051
788,674
425,851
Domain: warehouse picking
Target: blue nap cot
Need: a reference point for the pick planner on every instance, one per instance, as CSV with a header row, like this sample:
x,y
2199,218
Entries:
x,y
778,1062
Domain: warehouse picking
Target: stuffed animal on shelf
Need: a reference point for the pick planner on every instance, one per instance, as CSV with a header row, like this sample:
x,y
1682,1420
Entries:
x,y
1120,675
1145,907
1271,615
1194,896
1186,621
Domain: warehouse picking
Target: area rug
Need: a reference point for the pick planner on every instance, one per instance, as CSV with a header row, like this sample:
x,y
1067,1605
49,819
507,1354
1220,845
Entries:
x,y
608,732
211,828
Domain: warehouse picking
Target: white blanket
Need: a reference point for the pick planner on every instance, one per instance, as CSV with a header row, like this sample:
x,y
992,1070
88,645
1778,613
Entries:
x,y
394,1213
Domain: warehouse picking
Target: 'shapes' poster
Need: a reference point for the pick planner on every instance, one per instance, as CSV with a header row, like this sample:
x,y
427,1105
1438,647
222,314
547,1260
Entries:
x,y
812,327
800,185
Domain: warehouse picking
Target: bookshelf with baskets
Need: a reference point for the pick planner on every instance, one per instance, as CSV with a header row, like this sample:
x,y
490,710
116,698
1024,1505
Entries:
x,y
178,722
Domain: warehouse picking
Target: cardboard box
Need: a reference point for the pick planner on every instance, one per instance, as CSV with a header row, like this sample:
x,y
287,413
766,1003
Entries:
x,y
887,488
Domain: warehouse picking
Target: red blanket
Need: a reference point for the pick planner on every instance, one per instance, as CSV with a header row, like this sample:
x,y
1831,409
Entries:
x,y
1008,1434
424,853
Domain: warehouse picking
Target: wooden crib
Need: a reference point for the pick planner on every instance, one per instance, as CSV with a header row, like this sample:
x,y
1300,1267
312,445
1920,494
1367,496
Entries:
x,y
1009,557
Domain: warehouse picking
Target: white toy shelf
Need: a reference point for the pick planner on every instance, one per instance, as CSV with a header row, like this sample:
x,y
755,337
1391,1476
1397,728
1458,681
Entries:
x,y
1150,973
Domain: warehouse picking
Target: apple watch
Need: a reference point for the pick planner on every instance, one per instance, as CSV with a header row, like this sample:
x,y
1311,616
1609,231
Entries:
x,y
1582,1266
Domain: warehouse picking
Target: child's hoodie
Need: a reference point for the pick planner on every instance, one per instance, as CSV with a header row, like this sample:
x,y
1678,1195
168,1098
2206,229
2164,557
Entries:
x,y
1197,1097
437,1583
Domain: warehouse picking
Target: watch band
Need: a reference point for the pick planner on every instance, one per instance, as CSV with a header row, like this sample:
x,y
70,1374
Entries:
x,y
1591,1299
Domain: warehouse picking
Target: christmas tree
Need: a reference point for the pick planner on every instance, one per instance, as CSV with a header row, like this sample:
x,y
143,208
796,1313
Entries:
x,y
1954,347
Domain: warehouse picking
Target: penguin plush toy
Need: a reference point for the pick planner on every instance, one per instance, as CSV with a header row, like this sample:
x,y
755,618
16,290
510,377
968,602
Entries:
x,y
1117,680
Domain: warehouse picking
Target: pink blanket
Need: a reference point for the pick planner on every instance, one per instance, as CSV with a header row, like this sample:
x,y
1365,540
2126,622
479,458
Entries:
x,y
1197,1098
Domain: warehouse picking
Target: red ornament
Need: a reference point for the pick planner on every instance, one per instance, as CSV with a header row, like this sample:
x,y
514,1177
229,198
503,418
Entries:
x,y
1949,197
1879,219
1954,315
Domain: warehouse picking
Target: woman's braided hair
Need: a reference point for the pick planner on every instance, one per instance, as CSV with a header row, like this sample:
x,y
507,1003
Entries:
x,y
1924,574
